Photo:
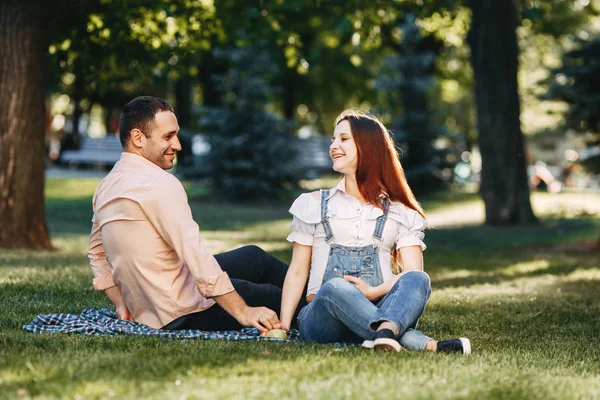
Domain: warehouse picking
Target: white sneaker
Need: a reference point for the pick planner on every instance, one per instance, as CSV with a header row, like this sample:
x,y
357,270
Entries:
x,y
387,344
383,340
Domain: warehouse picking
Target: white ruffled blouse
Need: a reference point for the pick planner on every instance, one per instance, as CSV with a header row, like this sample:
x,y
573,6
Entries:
x,y
352,225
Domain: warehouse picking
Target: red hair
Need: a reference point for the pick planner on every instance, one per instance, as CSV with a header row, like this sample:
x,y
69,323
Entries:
x,y
378,168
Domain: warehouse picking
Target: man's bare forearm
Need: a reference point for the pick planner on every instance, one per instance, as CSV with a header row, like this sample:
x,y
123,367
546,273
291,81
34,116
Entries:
x,y
261,318
233,303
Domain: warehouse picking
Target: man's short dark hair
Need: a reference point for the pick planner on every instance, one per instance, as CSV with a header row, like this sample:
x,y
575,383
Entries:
x,y
139,113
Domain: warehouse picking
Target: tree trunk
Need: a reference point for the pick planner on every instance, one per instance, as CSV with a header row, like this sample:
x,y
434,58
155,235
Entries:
x,y
290,77
107,119
494,55
209,66
183,101
78,94
23,79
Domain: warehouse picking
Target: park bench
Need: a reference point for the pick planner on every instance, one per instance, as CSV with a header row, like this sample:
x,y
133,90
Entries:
x,y
313,154
104,151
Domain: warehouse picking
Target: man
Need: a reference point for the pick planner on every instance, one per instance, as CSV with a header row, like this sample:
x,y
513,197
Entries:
x,y
146,251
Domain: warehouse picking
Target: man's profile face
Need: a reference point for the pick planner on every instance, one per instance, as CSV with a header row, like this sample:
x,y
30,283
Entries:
x,y
161,144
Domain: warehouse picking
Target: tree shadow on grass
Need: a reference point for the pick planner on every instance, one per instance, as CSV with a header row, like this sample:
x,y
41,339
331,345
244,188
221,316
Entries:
x,y
140,360
230,216
482,238
554,329
499,276
560,317
74,216
70,358
45,259
483,254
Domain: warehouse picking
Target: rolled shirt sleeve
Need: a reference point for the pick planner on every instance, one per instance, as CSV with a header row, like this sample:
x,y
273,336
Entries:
x,y
411,231
103,277
172,217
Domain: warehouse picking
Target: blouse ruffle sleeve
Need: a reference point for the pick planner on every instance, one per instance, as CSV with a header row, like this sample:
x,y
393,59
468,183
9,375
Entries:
x,y
411,226
307,215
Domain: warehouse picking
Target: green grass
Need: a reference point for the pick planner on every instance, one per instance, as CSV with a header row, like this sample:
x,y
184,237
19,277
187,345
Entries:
x,y
527,297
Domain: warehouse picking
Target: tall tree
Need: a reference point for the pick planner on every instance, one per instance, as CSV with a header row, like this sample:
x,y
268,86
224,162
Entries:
x,y
23,78
577,83
247,141
494,53
406,80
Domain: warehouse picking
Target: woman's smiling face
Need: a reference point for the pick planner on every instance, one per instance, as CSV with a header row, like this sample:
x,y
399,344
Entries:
x,y
343,149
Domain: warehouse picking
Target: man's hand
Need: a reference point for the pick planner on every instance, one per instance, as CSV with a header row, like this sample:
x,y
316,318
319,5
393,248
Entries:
x,y
369,291
261,318
123,313
115,296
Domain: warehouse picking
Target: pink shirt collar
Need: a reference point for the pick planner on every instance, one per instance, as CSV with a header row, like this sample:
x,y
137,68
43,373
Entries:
x,y
134,160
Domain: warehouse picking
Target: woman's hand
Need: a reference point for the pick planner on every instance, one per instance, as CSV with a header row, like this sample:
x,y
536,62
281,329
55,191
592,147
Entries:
x,y
281,326
278,325
370,292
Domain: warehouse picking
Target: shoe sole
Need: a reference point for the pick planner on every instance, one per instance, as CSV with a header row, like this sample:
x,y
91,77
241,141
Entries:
x,y
466,344
382,344
368,344
386,344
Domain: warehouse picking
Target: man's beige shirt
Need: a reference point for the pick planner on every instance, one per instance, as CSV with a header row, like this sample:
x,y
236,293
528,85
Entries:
x,y
145,241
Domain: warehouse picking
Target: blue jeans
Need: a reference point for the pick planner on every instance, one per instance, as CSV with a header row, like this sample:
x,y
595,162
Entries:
x,y
340,312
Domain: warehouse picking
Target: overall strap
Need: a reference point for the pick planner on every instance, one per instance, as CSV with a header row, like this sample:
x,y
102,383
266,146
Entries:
x,y
378,232
324,220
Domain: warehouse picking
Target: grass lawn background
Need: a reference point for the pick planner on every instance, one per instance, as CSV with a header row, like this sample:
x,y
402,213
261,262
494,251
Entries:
x,y
527,297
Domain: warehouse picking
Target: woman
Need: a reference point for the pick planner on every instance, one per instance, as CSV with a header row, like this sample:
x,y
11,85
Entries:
x,y
349,238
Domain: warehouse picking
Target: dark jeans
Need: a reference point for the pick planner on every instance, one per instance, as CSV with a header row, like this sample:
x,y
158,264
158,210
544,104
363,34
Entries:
x,y
258,278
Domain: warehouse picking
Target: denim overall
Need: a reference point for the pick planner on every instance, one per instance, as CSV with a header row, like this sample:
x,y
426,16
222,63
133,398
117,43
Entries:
x,y
361,262
339,312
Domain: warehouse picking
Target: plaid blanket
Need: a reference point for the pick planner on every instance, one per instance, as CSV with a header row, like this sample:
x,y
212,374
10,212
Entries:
x,y
101,322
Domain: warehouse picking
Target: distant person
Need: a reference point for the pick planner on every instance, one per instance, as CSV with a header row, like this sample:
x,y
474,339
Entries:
x,y
146,251
347,240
